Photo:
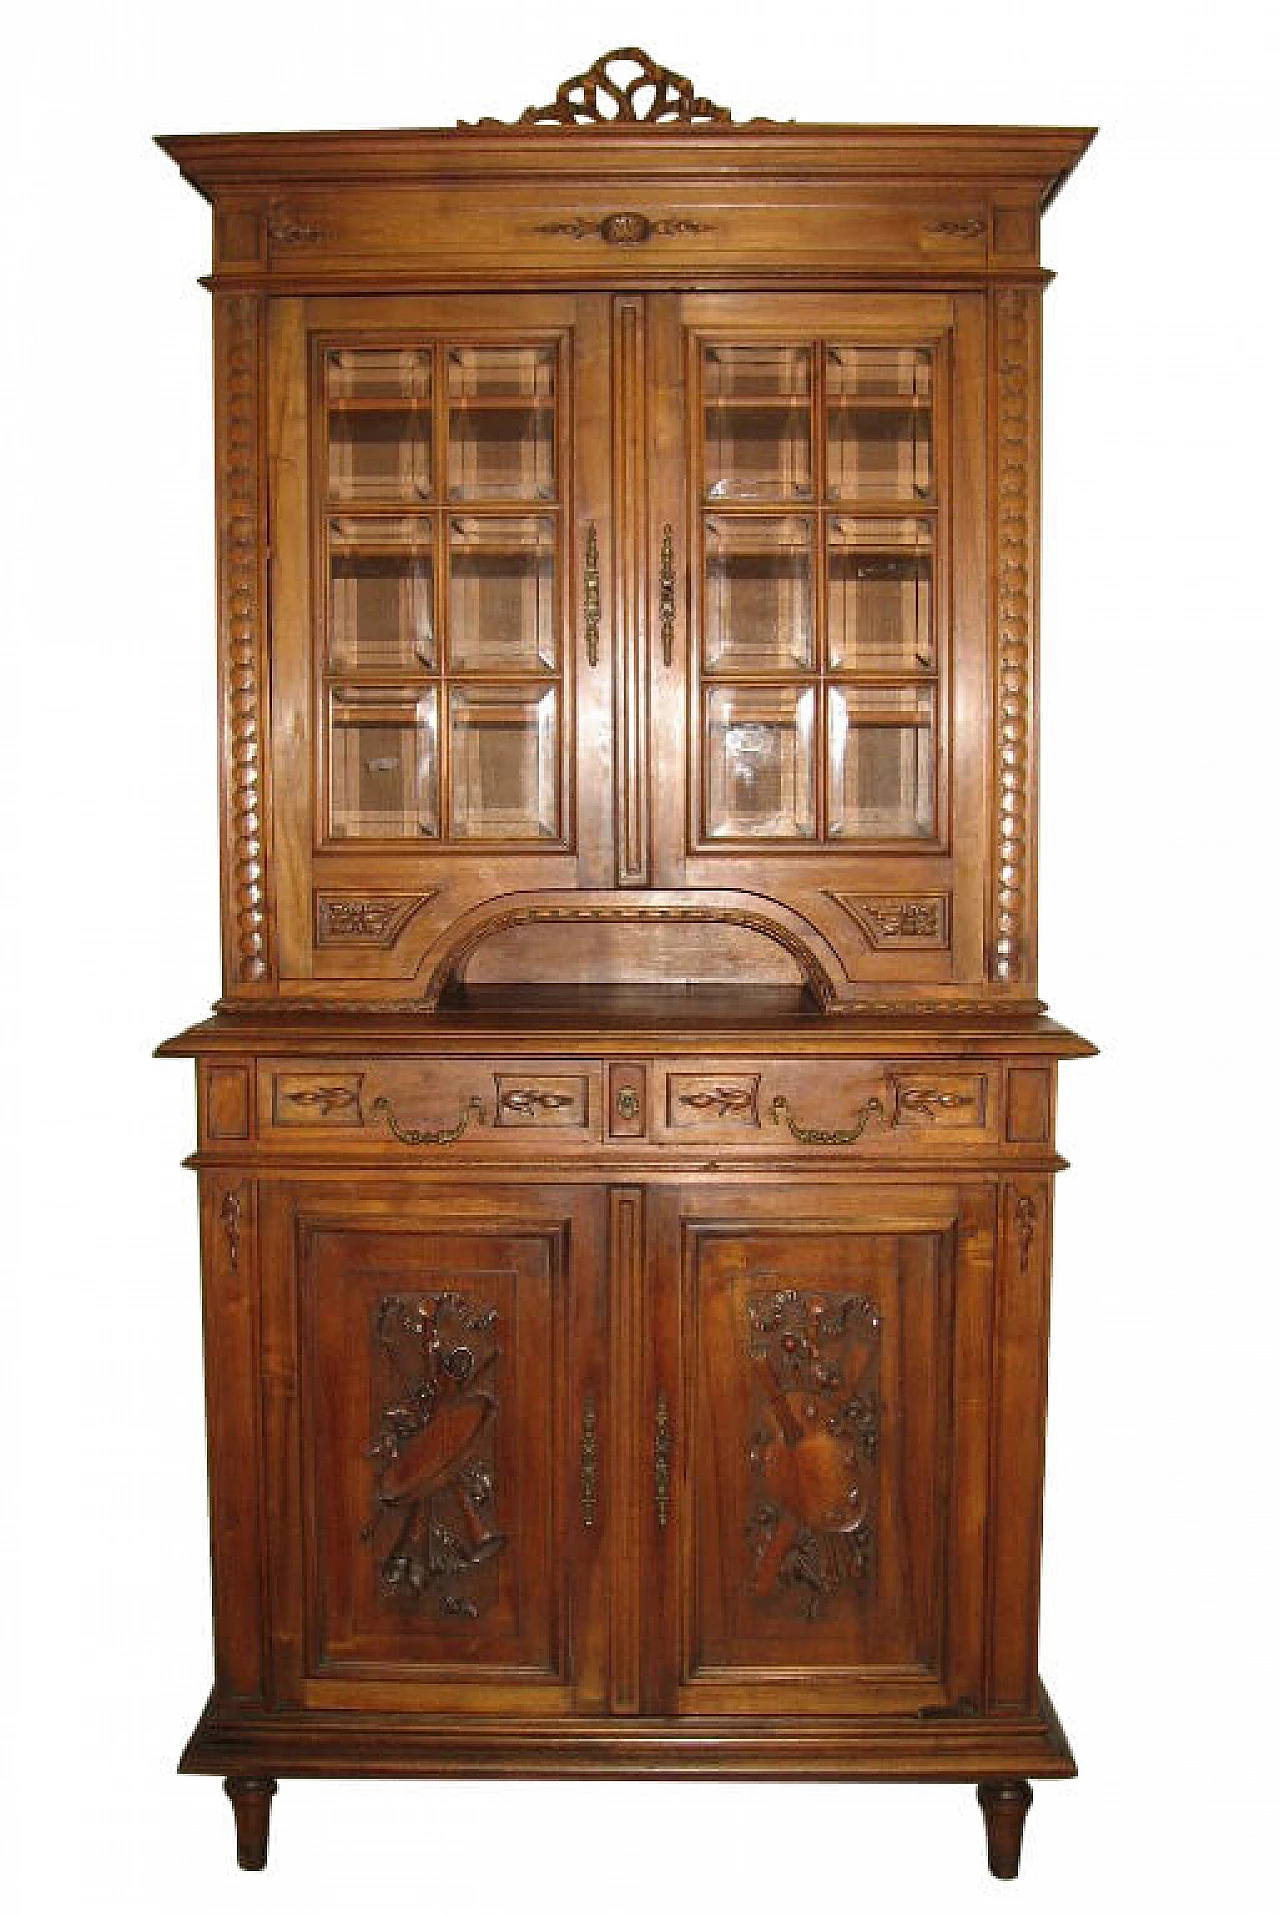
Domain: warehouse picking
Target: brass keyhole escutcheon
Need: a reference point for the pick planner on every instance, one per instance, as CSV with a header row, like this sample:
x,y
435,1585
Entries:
x,y
627,1103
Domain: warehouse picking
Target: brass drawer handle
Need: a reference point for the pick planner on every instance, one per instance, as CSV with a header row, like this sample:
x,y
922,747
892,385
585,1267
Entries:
x,y
803,1134
381,1108
591,596
667,595
587,1482
662,1461
525,1100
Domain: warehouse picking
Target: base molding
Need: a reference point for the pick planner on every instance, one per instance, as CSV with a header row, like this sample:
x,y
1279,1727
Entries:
x,y
881,1749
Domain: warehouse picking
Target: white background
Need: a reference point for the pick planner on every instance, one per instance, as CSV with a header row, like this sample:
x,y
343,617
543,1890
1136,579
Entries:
x,y
1158,940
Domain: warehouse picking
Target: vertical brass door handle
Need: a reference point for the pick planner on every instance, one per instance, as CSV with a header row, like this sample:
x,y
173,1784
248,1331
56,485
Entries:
x,y
587,1494
591,596
662,1461
667,595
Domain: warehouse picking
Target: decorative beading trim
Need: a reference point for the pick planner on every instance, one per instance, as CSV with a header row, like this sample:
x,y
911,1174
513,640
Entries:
x,y
240,517
1015,631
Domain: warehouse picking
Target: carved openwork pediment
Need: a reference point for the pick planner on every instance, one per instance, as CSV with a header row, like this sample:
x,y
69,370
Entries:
x,y
624,87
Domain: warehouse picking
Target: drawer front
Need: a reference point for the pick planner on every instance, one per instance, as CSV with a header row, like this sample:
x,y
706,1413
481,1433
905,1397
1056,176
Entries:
x,y
492,1105
540,1108
833,1104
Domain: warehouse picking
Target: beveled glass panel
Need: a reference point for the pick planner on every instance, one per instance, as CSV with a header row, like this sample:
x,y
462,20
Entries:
x,y
880,757
382,762
381,595
757,609
502,422
379,416
757,434
502,611
758,761
879,422
880,595
504,746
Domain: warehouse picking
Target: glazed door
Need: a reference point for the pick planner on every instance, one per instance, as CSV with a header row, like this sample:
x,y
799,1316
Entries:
x,y
432,1430
820,475
441,699
817,1408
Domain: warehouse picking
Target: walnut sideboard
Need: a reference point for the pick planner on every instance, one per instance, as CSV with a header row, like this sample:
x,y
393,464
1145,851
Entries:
x,y
626,1136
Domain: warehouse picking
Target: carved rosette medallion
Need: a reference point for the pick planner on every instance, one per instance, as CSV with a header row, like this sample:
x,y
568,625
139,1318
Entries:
x,y
434,1480
814,1444
1016,412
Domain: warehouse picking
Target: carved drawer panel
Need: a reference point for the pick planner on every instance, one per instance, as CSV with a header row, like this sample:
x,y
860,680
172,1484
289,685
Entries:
x,y
939,1100
322,1099
435,1105
811,1104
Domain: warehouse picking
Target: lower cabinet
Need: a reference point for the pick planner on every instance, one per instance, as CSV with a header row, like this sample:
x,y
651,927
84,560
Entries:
x,y
710,1475
688,1451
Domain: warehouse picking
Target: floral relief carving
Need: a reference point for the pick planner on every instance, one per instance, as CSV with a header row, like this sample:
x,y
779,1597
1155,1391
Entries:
x,y
621,229
918,920
345,919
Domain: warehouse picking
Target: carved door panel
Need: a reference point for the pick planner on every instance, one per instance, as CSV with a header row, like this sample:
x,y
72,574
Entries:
x,y
820,473
819,1400
441,1405
441,696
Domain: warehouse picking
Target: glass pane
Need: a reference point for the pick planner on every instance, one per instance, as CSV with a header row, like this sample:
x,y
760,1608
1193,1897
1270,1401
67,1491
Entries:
x,y
879,423
758,606
880,595
502,422
381,595
880,766
379,409
758,752
504,761
502,615
382,762
756,415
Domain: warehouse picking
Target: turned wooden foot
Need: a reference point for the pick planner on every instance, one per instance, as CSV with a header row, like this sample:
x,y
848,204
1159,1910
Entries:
x,y
1004,1810
251,1800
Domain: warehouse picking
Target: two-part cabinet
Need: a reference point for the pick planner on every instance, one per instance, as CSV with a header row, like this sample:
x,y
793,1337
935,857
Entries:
x,y
626,1137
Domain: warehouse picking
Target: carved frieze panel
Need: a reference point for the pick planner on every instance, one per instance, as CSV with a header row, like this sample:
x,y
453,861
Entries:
x,y
352,918
328,1098
914,921
814,1443
434,1491
695,1098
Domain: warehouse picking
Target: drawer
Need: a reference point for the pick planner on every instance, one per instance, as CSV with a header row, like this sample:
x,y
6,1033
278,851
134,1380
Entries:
x,y
810,1104
414,1104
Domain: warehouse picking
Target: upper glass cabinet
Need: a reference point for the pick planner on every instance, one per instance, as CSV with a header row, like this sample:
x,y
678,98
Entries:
x,y
442,538
818,531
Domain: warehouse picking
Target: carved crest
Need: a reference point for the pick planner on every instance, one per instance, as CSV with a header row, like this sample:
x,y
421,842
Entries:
x,y
625,86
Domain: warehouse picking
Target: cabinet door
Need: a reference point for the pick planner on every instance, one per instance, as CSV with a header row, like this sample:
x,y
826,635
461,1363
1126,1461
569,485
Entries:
x,y
440,694
818,1402
821,469
432,1378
